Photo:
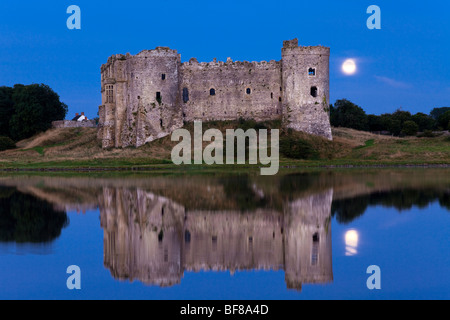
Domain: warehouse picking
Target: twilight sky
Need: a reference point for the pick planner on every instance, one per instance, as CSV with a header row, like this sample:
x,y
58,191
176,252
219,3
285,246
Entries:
x,y
405,64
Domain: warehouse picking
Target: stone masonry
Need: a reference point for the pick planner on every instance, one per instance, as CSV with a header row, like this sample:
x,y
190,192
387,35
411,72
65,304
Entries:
x,y
148,95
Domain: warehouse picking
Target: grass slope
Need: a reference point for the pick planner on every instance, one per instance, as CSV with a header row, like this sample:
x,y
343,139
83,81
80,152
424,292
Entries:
x,y
79,148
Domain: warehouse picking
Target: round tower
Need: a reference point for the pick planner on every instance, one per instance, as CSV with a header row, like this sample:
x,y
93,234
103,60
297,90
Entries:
x,y
305,85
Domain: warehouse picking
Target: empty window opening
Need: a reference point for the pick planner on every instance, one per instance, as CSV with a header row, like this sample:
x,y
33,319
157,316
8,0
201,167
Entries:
x,y
315,237
281,89
212,92
315,249
271,95
162,211
314,91
187,236
160,122
185,95
279,99
163,76
158,97
160,236
314,254
214,243
248,90
109,93
311,71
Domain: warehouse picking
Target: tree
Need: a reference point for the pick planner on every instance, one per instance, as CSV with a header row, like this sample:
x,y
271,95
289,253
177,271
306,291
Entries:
x,y
6,143
349,115
6,109
375,123
396,120
425,122
410,128
444,120
35,107
437,112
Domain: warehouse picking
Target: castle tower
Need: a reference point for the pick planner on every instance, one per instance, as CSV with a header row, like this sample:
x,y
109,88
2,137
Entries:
x,y
153,99
140,100
307,240
113,108
305,85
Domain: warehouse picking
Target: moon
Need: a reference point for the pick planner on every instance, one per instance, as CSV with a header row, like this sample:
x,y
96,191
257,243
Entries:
x,y
349,67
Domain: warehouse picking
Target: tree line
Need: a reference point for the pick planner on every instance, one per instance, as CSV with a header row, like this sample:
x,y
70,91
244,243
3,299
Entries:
x,y
345,113
26,110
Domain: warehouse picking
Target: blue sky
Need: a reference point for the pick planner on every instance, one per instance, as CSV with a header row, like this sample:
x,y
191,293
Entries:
x,y
404,65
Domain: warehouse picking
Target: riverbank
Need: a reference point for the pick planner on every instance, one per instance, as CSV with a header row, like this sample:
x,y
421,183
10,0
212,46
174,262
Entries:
x,y
77,149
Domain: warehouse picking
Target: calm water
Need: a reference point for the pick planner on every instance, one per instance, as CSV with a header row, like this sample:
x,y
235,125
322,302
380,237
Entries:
x,y
298,235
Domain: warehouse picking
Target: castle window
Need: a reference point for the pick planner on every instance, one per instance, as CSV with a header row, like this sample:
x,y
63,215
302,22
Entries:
x,y
109,93
185,95
249,90
187,236
279,99
163,76
316,237
160,122
212,92
158,97
314,91
315,249
312,72
271,95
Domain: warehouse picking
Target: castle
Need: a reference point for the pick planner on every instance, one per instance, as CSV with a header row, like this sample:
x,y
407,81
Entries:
x,y
148,95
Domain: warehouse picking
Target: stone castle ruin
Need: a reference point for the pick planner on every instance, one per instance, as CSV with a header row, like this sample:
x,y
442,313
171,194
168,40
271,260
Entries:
x,y
148,95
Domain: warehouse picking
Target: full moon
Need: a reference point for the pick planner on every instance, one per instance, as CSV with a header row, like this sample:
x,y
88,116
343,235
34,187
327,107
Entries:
x,y
349,66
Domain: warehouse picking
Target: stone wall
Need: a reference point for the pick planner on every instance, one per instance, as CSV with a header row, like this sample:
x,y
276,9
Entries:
x,y
74,124
248,90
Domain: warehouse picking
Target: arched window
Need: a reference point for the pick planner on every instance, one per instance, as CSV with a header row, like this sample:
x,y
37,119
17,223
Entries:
x,y
314,91
248,90
212,92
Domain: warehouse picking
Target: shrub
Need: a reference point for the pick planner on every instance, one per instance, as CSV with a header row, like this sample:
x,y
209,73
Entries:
x,y
410,128
297,148
6,143
427,134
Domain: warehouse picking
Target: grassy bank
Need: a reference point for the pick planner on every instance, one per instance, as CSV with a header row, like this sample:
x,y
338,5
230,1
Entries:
x,y
78,149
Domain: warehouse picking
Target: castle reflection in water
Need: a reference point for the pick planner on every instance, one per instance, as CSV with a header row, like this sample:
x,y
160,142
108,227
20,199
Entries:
x,y
153,239
156,227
